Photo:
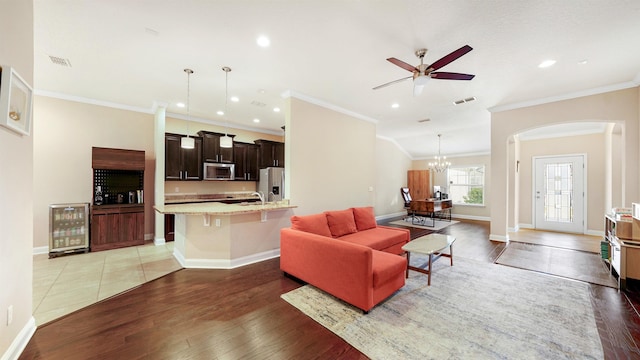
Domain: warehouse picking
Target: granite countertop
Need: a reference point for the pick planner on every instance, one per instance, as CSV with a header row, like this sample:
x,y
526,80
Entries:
x,y
215,208
199,198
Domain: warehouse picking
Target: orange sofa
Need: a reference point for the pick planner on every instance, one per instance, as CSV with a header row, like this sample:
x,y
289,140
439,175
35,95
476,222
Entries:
x,y
346,254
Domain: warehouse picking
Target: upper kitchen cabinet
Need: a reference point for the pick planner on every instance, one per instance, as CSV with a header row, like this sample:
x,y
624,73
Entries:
x,y
270,153
246,156
179,163
211,150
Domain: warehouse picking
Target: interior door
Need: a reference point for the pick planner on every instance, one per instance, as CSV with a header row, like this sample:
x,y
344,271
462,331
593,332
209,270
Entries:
x,y
559,193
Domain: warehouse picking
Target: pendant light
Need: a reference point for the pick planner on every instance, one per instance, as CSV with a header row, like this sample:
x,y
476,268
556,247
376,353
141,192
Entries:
x,y
188,142
226,141
440,164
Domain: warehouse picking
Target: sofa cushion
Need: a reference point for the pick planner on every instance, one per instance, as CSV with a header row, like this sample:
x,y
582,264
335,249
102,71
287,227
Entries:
x,y
386,267
364,217
316,224
379,238
341,222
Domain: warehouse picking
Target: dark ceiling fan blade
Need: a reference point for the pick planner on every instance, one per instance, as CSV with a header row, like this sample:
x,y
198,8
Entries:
x,y
392,82
450,76
451,57
402,64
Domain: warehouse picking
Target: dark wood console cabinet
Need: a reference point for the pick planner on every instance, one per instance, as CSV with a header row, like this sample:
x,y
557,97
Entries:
x,y
116,226
117,223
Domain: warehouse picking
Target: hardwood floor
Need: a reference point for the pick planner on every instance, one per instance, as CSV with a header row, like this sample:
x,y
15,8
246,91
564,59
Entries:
x,y
233,314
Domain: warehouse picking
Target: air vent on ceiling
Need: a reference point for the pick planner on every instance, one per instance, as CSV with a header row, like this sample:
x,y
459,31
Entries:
x,y
462,101
424,120
60,61
258,103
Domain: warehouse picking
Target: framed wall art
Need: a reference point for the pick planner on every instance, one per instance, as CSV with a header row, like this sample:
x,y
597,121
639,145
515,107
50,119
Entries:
x,y
15,101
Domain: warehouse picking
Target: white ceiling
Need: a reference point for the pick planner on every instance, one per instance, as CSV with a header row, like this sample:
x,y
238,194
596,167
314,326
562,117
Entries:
x,y
132,53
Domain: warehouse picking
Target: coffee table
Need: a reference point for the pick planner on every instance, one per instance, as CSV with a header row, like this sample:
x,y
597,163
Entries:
x,y
431,245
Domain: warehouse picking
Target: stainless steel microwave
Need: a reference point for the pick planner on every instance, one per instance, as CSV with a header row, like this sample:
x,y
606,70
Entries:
x,y
218,171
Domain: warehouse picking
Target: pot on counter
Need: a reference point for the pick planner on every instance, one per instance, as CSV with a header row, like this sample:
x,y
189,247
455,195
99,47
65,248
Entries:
x,y
120,198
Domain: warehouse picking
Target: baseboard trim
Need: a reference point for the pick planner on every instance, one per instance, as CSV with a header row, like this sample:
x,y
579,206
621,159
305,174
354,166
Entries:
x,y
470,217
595,233
40,250
20,342
501,238
159,241
224,263
391,216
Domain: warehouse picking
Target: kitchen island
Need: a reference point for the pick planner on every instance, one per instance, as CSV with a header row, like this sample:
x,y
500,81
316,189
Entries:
x,y
214,235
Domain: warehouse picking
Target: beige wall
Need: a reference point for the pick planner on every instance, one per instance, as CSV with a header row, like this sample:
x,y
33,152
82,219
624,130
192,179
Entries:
x,y
65,133
392,165
330,158
462,211
618,106
16,190
593,146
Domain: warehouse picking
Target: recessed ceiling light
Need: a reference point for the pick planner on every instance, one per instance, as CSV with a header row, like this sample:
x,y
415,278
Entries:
x,y
395,105
262,91
582,62
546,63
276,109
180,105
256,120
263,41
220,112
235,99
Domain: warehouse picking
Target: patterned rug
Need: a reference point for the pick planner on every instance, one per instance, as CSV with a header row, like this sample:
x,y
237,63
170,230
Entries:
x,y
438,225
572,264
472,310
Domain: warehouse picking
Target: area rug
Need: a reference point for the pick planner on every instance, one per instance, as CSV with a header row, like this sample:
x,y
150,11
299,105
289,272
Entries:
x,y
438,226
472,310
572,264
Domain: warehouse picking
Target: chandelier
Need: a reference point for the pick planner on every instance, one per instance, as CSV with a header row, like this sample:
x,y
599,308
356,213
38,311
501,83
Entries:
x,y
440,164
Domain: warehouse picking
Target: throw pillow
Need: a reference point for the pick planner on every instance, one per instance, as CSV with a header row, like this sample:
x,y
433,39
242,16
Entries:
x,y
316,224
341,222
365,219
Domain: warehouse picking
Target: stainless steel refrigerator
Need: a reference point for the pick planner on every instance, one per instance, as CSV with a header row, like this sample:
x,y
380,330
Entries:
x,y
271,183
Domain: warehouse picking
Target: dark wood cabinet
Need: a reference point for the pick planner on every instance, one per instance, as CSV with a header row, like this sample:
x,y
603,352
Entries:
x,y
179,163
116,226
246,156
419,183
211,150
270,153
169,227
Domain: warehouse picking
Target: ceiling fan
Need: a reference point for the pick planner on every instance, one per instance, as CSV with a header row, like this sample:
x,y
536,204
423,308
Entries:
x,y
422,73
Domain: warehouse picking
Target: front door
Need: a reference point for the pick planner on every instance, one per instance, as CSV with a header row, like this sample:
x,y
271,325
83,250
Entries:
x,y
559,193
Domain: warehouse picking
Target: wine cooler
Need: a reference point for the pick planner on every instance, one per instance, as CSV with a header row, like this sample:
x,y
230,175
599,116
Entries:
x,y
68,229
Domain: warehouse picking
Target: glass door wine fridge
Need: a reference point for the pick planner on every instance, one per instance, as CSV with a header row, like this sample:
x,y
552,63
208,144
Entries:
x,y
68,229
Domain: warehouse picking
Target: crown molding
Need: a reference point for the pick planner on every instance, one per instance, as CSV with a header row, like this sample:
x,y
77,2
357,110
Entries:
x,y
294,94
573,95
151,110
394,142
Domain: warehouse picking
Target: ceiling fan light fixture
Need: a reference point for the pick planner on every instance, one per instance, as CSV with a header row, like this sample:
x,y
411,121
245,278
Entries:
x,y
421,80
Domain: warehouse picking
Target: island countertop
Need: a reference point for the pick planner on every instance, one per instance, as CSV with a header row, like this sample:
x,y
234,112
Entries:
x,y
216,208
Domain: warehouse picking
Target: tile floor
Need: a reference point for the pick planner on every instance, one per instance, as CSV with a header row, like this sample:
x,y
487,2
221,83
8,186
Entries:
x,y
65,284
